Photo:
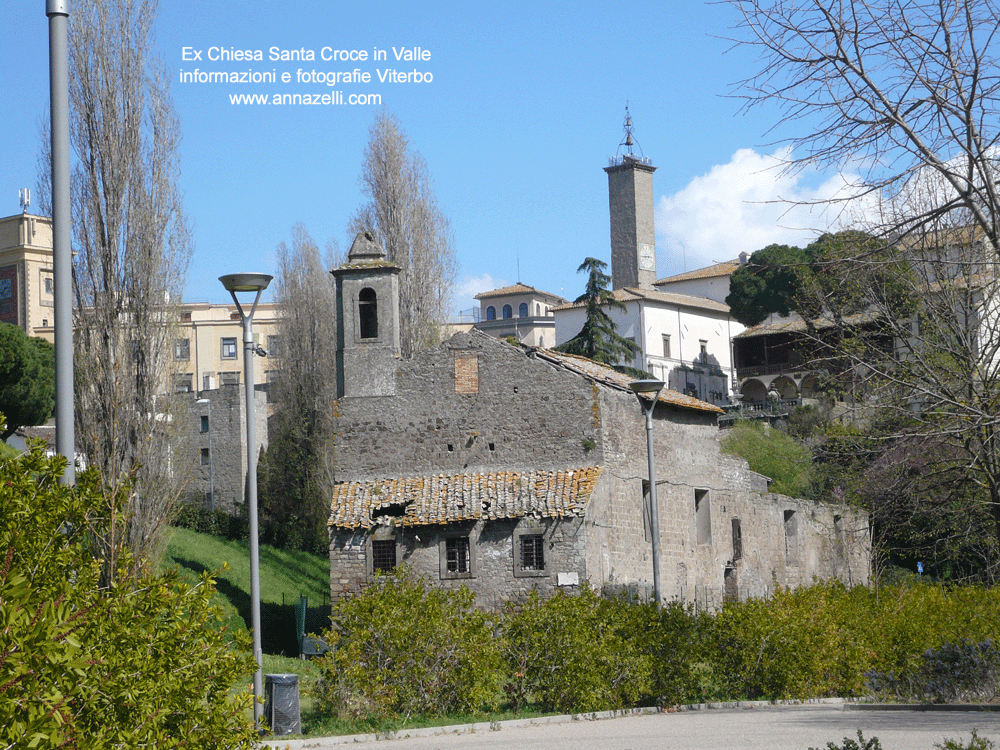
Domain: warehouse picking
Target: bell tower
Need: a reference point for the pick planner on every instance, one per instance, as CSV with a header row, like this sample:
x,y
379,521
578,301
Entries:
x,y
630,200
367,321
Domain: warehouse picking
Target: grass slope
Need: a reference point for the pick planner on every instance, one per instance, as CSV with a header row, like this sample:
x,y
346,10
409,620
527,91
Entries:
x,y
284,575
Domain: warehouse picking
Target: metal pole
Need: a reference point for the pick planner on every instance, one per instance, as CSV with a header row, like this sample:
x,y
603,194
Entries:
x,y
251,283
248,350
58,15
654,510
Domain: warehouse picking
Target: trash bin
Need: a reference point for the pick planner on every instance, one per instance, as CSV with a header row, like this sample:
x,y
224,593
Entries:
x,y
281,703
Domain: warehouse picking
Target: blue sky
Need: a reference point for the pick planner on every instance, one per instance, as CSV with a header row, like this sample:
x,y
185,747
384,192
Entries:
x,y
525,107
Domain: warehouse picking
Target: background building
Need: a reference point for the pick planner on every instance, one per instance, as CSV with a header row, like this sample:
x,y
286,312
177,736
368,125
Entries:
x,y
27,297
520,311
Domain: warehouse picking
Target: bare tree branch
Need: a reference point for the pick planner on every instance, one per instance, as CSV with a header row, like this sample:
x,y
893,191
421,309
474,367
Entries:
x,y
403,214
893,90
132,248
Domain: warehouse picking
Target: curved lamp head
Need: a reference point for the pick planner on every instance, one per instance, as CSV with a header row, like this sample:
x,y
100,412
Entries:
x,y
646,386
245,282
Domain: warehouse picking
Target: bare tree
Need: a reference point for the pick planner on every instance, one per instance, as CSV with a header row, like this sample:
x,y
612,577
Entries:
x,y
298,465
132,248
403,214
902,92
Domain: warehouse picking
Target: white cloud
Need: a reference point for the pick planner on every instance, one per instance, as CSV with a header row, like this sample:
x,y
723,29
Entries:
x,y
469,286
746,204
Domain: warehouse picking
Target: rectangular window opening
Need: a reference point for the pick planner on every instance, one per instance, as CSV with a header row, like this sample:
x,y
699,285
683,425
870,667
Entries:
x,y
384,555
206,457
703,516
791,538
204,423
532,552
737,540
229,348
457,554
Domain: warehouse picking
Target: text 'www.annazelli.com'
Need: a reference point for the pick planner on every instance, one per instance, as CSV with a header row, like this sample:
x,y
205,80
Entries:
x,y
293,100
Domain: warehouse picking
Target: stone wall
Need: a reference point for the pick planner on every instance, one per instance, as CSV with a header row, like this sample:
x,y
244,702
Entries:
x,y
495,574
701,492
521,414
225,442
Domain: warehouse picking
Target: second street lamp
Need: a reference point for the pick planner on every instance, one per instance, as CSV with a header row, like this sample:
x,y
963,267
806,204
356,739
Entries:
x,y
651,389
252,283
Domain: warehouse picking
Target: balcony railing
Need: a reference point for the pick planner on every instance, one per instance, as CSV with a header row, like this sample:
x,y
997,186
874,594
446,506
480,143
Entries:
x,y
774,368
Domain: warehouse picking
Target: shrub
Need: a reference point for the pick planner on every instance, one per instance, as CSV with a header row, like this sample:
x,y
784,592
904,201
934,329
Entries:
x,y
782,458
404,647
578,652
805,643
95,657
218,523
975,743
962,671
849,744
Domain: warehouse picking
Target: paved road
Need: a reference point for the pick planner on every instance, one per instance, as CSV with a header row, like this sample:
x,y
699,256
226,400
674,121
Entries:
x,y
778,728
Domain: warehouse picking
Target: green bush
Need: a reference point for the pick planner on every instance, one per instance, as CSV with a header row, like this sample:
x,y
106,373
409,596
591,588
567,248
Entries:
x,y
94,657
805,643
218,523
578,652
849,744
676,639
782,458
404,647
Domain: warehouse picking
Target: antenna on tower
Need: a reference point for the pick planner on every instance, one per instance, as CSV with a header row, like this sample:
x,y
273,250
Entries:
x,y
24,195
625,148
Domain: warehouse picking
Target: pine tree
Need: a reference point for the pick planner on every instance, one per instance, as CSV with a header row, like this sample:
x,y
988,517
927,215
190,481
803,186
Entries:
x,y
599,339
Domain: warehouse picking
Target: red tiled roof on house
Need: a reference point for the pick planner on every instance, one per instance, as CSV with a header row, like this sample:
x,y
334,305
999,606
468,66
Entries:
x,y
726,268
603,374
443,498
517,288
629,294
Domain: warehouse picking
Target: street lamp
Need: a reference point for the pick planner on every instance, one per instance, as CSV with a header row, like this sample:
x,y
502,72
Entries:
x,y
651,388
211,455
256,283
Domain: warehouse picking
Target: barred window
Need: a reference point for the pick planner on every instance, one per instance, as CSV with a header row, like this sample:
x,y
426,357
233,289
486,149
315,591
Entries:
x,y
383,555
532,552
457,554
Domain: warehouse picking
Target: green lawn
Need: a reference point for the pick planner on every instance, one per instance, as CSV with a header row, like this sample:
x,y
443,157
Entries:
x,y
284,575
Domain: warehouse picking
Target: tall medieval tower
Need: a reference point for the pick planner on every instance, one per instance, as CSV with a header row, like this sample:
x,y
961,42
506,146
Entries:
x,y
630,199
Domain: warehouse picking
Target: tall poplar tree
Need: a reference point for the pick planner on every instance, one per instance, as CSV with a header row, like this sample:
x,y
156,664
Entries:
x,y
132,246
403,213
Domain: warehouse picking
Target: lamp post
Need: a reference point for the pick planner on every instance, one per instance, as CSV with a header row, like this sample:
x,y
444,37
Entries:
x,y
651,388
253,283
62,250
211,455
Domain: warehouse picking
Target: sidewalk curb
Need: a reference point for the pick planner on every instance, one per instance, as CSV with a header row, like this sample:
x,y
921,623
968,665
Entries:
x,y
318,743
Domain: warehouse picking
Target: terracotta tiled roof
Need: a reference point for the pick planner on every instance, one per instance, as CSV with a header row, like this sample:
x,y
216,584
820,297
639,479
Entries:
x,y
631,294
444,498
725,268
603,374
797,325
517,288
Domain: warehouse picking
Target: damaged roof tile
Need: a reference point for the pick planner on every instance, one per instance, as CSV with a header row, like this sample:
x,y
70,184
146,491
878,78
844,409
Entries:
x,y
439,499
